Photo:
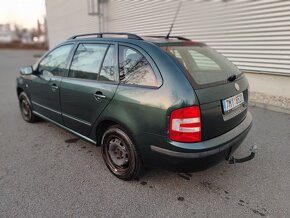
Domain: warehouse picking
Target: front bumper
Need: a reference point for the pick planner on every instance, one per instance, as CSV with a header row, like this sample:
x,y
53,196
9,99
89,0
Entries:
x,y
199,156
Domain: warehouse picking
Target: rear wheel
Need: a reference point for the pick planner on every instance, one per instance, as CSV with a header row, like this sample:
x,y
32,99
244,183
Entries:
x,y
25,108
120,154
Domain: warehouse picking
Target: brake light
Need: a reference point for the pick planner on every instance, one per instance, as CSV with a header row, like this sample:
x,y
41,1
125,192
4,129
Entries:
x,y
185,125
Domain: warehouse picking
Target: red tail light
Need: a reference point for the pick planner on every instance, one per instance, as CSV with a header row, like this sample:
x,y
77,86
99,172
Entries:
x,y
185,125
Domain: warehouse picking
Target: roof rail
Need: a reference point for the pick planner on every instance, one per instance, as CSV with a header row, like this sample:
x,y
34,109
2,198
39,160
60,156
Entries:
x,y
173,37
100,35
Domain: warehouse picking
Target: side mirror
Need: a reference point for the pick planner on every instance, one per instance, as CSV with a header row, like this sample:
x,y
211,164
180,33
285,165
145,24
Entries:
x,y
26,70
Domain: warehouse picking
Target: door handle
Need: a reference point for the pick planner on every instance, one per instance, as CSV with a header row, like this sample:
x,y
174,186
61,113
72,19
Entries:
x,y
54,87
99,95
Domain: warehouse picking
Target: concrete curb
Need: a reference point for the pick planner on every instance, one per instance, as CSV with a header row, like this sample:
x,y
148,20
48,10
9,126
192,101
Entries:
x,y
269,107
270,102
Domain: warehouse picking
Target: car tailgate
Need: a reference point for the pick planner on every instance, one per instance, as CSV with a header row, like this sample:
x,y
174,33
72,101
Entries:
x,y
215,121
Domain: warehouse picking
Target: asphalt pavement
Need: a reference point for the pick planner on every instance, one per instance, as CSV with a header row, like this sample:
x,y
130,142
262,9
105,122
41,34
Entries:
x,y
47,172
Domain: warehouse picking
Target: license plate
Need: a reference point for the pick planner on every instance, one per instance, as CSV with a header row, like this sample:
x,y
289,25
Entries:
x,y
233,102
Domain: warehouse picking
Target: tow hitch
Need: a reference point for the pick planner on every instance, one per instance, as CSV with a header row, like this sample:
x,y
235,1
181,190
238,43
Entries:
x,y
253,150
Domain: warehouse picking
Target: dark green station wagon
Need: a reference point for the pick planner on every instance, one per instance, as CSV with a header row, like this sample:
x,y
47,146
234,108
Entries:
x,y
149,102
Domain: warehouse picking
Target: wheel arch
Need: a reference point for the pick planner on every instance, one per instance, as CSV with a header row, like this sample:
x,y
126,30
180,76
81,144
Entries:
x,y
19,90
101,126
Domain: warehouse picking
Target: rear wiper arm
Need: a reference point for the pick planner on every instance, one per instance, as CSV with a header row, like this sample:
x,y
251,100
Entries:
x,y
232,78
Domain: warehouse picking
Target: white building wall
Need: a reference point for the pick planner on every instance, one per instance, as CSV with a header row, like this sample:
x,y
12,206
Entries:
x,y
255,35
69,17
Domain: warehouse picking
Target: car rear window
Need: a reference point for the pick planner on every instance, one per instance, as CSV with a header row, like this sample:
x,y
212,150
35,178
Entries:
x,y
204,65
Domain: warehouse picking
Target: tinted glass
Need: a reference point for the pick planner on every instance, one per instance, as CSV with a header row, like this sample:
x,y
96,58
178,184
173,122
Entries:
x,y
55,62
87,61
204,64
134,68
108,70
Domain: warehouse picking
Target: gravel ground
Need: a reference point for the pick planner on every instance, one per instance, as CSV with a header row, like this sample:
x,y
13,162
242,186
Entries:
x,y
272,102
47,172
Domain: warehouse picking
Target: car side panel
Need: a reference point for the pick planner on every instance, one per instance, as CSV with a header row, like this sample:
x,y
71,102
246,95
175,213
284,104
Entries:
x,y
44,98
80,108
43,90
146,110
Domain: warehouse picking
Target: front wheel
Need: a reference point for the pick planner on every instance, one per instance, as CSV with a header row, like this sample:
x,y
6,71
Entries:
x,y
25,108
120,154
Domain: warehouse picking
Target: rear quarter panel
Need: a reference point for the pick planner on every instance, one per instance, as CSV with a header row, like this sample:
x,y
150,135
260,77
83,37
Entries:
x,y
144,111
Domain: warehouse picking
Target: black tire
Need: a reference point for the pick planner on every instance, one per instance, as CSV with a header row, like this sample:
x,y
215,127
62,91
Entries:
x,y
25,108
120,154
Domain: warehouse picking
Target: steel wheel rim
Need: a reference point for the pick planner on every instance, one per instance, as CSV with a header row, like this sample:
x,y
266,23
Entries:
x,y
25,108
118,154
124,169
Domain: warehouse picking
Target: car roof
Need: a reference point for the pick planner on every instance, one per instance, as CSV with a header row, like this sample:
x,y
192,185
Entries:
x,y
127,37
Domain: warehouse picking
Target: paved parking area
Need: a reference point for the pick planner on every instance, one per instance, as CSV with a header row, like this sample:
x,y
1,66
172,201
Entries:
x,y
43,174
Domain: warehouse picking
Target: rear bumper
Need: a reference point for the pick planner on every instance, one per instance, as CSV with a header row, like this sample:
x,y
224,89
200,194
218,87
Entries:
x,y
199,156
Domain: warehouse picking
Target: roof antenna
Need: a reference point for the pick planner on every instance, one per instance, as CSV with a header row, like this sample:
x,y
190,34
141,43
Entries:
x,y
177,11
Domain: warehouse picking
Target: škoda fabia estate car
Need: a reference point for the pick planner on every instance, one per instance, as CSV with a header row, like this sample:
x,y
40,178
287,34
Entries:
x,y
153,101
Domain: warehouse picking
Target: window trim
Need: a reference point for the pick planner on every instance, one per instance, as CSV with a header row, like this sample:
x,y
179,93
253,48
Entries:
x,y
150,61
116,52
95,42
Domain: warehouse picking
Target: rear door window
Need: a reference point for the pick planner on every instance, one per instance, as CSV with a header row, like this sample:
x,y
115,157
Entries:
x,y
204,65
87,61
135,69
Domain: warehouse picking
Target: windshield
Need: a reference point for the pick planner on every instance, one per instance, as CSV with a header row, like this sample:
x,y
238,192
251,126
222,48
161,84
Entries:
x,y
204,64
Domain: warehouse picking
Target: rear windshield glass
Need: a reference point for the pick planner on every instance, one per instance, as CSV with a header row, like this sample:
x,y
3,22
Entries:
x,y
204,64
